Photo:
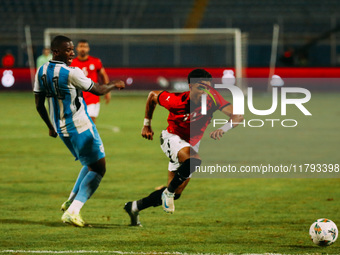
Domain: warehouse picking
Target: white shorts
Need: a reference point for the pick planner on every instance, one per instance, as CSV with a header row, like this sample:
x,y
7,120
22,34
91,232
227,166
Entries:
x,y
93,110
171,144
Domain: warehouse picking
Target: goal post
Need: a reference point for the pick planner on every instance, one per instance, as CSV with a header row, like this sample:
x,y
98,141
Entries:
x,y
176,37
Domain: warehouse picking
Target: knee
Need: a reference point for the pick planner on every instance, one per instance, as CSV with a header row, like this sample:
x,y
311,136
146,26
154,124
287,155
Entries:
x,y
188,167
99,167
194,163
101,172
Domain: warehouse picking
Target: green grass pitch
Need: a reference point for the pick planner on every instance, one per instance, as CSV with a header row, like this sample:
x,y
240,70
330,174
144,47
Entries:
x,y
214,215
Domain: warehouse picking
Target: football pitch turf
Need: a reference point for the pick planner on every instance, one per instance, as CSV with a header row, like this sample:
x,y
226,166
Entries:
x,y
214,215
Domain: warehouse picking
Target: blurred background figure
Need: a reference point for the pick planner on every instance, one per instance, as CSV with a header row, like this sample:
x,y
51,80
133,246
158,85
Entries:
x,y
287,58
93,69
45,57
8,60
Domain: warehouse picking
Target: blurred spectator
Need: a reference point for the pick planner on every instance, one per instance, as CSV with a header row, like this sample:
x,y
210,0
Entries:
x,y
45,57
8,60
302,58
288,57
92,68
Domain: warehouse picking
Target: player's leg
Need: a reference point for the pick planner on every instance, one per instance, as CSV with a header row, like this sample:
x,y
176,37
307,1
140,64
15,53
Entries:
x,y
134,207
189,160
87,188
154,199
88,185
84,170
180,188
91,153
171,146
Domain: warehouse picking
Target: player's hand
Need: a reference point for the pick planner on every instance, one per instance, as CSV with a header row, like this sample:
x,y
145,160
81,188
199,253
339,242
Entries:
x,y
107,98
147,132
52,133
119,84
217,134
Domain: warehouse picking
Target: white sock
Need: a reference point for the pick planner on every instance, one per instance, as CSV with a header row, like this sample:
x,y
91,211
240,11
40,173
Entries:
x,y
134,207
167,191
75,207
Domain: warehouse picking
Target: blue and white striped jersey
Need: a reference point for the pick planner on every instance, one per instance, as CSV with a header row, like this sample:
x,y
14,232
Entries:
x,y
63,86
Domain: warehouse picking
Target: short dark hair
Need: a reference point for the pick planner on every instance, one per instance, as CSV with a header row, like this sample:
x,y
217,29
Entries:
x,y
83,41
58,41
199,74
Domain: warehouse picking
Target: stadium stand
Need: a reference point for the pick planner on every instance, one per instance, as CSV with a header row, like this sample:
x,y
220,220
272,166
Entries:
x,y
299,20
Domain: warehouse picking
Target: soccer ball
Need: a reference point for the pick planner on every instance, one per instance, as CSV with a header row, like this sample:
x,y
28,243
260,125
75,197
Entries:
x,y
323,232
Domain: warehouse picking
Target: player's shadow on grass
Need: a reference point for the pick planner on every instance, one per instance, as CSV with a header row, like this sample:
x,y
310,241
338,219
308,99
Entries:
x,y
31,222
301,246
56,224
105,226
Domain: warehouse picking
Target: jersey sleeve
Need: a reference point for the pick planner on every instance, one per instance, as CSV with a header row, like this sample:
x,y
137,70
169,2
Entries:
x,y
167,100
37,88
79,80
99,64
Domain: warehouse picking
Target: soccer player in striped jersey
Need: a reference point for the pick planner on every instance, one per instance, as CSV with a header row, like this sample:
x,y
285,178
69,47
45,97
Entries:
x,y
62,86
180,141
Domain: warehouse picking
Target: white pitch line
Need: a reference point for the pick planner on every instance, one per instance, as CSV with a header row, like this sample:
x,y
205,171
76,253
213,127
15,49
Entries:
x,y
64,252
114,129
123,252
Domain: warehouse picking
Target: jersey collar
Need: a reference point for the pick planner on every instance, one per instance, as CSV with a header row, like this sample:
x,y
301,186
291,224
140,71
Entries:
x,y
57,62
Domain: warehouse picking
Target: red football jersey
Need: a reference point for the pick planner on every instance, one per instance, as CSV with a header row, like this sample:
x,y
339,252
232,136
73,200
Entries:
x,y
185,118
91,68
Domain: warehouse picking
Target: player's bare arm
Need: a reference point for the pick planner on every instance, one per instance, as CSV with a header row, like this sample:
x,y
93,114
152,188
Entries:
x,y
234,118
151,103
40,106
100,90
105,78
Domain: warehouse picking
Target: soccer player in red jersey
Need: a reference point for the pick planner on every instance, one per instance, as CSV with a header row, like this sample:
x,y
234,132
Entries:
x,y
92,68
180,141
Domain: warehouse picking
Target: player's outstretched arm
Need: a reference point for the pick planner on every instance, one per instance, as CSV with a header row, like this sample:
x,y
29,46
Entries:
x,y
105,78
40,106
151,103
100,90
233,122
